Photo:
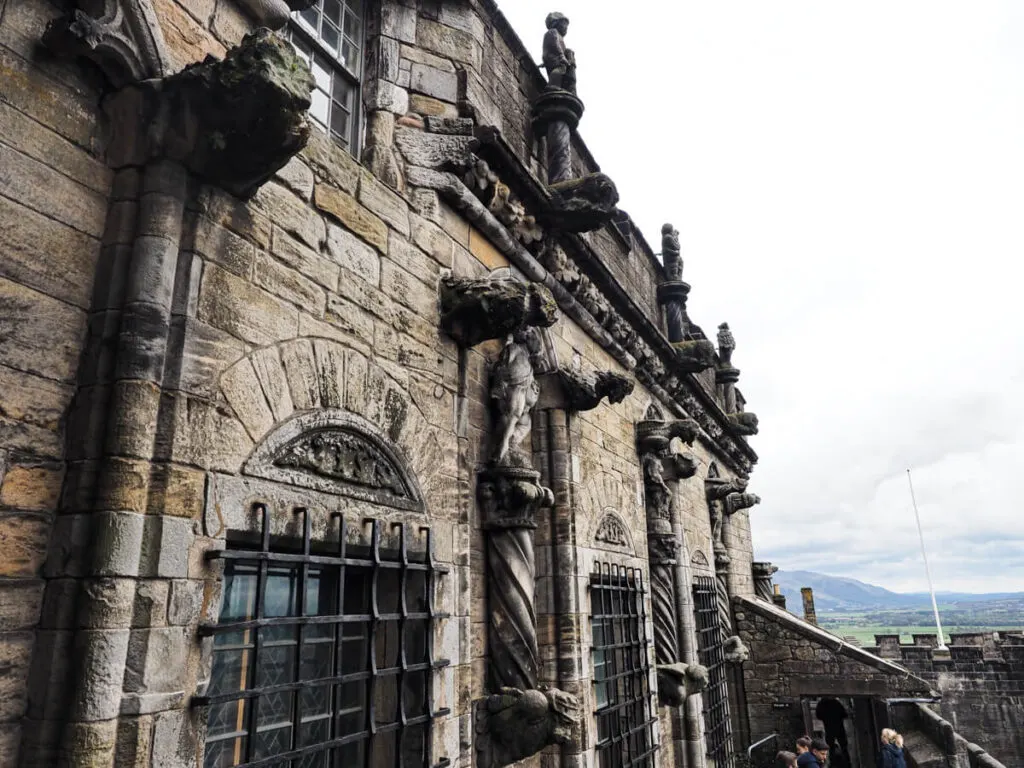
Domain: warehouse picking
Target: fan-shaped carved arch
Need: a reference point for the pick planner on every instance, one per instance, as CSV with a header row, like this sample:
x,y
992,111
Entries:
x,y
699,558
335,451
612,532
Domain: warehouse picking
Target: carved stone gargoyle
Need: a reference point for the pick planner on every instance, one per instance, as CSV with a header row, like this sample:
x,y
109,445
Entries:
x,y
475,310
743,423
583,204
736,651
679,681
694,356
579,391
734,502
513,724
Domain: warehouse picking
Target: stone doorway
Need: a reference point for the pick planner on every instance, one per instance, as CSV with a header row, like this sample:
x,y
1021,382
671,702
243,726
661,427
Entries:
x,y
848,724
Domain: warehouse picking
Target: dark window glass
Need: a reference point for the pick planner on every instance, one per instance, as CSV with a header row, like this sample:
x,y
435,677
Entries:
x,y
292,671
621,655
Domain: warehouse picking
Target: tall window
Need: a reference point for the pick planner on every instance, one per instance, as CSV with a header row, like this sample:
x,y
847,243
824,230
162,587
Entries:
x,y
710,649
323,659
622,669
329,37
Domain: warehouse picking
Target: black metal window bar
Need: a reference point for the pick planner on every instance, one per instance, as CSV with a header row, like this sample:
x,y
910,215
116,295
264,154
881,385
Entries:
x,y
711,651
622,668
323,656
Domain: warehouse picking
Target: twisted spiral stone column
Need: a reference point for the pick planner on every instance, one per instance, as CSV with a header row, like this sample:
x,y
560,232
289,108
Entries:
x,y
663,598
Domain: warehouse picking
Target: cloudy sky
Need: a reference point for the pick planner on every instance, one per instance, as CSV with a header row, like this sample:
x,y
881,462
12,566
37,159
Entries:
x,y
848,181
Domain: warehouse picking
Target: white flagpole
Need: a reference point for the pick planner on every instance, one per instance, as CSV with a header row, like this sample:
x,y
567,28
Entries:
x,y
927,570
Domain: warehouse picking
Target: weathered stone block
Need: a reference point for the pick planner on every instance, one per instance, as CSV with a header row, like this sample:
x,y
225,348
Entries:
x,y
330,364
25,235
331,163
384,203
353,255
298,177
41,335
399,22
300,369
381,94
407,290
238,307
450,43
431,150
347,210
23,541
320,270
204,434
290,213
345,322
32,487
244,394
150,608
186,40
434,241
429,106
186,602
218,244
157,660
288,284
102,652
270,372
20,604
179,491
176,739
434,82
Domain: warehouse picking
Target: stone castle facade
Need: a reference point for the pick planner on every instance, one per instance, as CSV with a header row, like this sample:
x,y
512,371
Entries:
x,y
345,419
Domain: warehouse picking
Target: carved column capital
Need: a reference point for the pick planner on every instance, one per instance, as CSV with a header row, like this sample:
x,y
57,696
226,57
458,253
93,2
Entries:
x,y
511,497
477,309
763,572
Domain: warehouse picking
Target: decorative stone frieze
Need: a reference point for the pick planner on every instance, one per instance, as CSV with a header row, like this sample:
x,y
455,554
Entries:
x,y
475,310
612,530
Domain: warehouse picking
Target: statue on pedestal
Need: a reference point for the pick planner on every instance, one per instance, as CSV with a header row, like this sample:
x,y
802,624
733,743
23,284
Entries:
x,y
559,61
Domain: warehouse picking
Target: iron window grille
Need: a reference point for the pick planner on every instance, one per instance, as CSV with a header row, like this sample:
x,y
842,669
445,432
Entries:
x,y
711,651
328,36
324,659
622,668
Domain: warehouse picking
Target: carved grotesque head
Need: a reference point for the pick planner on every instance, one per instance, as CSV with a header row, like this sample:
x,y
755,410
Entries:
x,y
559,21
565,709
543,311
697,679
736,652
613,386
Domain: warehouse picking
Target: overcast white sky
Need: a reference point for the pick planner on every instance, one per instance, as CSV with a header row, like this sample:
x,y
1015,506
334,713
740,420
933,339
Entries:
x,y
848,181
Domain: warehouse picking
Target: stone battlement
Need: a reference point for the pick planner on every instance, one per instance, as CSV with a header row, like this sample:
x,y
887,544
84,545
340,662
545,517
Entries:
x,y
970,649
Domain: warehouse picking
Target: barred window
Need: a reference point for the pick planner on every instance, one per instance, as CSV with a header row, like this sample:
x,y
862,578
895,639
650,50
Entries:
x,y
711,651
323,659
329,37
625,720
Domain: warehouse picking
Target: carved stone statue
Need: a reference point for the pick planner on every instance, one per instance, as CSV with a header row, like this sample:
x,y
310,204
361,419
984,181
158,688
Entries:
x,y
514,389
670,252
559,61
679,681
513,724
726,345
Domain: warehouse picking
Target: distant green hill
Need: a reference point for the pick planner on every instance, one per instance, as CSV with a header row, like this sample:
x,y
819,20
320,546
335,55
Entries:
x,y
837,593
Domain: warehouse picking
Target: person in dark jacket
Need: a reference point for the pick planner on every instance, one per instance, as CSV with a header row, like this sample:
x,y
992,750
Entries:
x,y
785,760
816,757
891,754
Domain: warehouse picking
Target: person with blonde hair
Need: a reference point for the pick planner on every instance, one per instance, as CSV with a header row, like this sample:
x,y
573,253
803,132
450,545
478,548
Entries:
x,y
891,754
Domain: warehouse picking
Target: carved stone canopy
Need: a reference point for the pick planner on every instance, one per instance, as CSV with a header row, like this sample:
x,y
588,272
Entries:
x,y
475,310
122,37
337,452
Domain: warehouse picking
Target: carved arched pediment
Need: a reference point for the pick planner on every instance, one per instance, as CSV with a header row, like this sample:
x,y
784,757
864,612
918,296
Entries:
x,y
337,452
699,558
612,533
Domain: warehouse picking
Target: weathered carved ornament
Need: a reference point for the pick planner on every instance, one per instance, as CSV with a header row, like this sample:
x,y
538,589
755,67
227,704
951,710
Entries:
x,y
512,723
475,310
736,651
679,681
612,530
500,200
698,558
122,37
583,204
694,356
762,573
743,423
337,452
584,391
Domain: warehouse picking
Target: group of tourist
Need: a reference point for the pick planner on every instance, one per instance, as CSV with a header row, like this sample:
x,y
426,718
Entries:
x,y
814,753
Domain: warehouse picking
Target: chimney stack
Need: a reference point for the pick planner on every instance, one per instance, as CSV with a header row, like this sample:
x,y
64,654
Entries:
x,y
809,615
778,598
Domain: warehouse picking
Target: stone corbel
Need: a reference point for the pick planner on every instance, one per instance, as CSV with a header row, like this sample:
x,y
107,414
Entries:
x,y
577,391
581,205
232,122
694,356
513,724
743,423
123,39
735,650
678,681
735,502
475,310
